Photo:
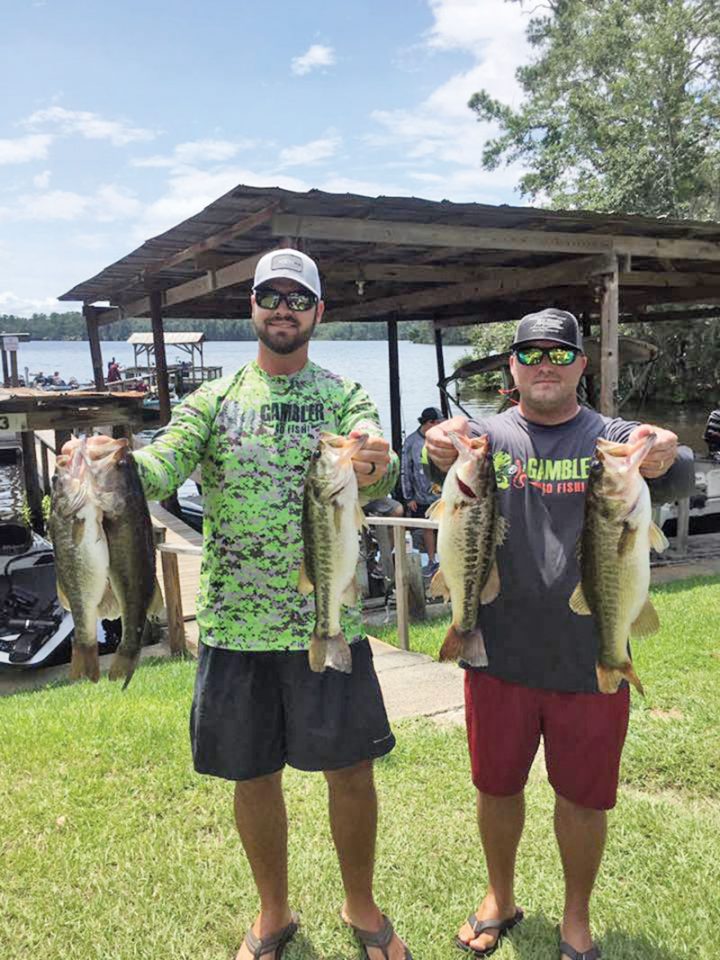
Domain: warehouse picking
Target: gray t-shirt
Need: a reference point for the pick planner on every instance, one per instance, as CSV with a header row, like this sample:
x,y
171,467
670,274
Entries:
x,y
532,636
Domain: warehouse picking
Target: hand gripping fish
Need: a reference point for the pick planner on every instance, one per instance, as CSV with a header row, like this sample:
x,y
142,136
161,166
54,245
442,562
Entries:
x,y
470,529
614,555
82,559
331,520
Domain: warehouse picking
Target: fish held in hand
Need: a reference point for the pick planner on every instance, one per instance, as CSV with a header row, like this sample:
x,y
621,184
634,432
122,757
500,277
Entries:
x,y
614,555
470,528
82,560
131,553
332,518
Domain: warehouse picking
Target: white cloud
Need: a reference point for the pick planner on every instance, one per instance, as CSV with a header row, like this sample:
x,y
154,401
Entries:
x,y
42,180
196,152
24,149
25,307
51,205
89,125
312,152
108,203
315,56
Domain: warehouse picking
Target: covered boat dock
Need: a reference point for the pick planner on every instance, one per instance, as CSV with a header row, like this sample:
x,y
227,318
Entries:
x,y
390,259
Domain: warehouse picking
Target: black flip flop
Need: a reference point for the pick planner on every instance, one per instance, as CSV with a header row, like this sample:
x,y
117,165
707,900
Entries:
x,y
567,951
260,946
380,939
480,926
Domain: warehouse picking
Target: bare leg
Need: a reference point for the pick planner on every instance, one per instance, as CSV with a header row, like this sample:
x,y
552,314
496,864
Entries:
x,y
353,821
501,821
581,837
261,821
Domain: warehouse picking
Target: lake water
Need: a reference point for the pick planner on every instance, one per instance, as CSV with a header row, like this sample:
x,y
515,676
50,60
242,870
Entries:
x,y
363,360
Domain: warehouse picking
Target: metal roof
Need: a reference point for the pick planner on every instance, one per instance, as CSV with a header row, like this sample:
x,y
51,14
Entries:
x,y
174,339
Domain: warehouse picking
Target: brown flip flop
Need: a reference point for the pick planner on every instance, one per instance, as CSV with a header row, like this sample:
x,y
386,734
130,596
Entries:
x,y
260,946
381,939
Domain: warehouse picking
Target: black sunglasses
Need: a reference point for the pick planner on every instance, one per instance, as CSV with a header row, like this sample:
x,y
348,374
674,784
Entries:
x,y
299,300
560,356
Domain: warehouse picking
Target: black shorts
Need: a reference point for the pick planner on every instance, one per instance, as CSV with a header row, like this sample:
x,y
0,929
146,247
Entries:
x,y
254,712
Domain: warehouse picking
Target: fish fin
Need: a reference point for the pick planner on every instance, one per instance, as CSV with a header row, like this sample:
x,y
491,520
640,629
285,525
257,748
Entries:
x,y
435,510
157,603
578,602
350,594
360,518
109,608
646,623
492,585
123,666
501,528
85,662
338,655
473,648
609,678
305,584
62,596
438,586
316,653
78,529
658,540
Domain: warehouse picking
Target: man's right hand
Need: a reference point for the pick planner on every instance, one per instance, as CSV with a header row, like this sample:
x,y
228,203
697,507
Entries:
x,y
440,449
96,446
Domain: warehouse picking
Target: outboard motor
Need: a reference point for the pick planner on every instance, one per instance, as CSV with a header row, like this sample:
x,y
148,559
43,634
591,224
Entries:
x,y
712,435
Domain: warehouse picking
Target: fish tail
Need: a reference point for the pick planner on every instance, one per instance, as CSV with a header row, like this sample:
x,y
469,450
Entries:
x,y
468,645
338,655
609,678
85,662
316,652
123,666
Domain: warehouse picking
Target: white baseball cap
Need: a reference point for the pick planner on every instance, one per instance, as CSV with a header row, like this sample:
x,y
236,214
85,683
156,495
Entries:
x,y
290,264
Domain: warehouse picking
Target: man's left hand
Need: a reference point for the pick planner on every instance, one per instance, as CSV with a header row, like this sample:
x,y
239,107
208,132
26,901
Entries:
x,y
372,461
662,455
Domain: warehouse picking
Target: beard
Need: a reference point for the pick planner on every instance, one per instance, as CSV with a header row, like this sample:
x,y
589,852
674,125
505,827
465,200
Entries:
x,y
283,341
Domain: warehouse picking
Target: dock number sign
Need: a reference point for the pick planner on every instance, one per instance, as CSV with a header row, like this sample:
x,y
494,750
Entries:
x,y
11,423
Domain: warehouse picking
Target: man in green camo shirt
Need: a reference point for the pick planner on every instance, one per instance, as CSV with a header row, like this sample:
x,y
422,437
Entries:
x,y
257,705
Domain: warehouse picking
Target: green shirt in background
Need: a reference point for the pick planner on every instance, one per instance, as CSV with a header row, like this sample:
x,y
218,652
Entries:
x,y
253,435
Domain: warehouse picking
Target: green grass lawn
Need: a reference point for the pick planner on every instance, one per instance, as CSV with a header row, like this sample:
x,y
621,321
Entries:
x,y
112,847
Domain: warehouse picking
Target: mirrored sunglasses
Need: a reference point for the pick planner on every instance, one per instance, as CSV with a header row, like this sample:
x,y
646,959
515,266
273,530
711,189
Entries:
x,y
299,300
560,356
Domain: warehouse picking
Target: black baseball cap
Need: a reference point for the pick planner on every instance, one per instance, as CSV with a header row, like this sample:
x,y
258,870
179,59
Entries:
x,y
551,324
430,413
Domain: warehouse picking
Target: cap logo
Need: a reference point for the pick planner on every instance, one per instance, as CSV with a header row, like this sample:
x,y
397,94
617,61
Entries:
x,y
547,325
286,261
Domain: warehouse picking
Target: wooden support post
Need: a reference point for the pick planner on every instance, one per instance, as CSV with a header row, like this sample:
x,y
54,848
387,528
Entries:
x,y
444,405
590,387
682,539
45,461
173,596
609,309
401,587
32,480
163,387
394,365
13,369
90,314
61,438
6,372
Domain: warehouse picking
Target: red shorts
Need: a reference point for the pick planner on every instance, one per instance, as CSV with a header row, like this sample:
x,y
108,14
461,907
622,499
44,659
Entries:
x,y
583,733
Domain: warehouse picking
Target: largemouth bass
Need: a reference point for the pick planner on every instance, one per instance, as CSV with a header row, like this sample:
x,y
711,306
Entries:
x,y
331,520
131,552
82,559
470,529
614,554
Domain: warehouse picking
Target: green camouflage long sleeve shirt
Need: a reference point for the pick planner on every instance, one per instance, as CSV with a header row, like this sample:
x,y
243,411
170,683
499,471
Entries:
x,y
252,436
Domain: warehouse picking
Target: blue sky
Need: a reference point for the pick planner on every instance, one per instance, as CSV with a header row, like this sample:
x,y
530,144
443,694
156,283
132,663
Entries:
x,y
124,119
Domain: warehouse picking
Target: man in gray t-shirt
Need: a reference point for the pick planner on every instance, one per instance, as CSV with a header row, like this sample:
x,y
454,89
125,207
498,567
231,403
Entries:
x,y
540,679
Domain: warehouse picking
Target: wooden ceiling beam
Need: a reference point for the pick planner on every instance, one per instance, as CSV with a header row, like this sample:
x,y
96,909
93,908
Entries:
x,y
350,230
511,281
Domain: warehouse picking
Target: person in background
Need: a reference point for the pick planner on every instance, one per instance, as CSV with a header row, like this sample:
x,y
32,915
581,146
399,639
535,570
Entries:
x,y
416,487
113,374
540,680
40,379
57,380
